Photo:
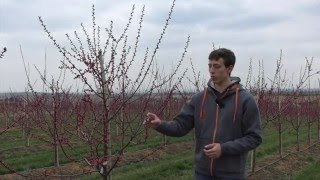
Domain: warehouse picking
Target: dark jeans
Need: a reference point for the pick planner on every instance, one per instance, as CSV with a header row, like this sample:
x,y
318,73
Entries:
x,y
198,176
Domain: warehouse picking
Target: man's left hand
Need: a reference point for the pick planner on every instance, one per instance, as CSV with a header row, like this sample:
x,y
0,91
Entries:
x,y
213,150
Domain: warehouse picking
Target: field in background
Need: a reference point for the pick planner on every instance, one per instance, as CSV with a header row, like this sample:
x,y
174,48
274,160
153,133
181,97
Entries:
x,y
175,161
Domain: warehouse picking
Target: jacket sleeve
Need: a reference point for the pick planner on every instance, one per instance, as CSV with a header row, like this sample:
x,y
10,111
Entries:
x,y
181,124
251,128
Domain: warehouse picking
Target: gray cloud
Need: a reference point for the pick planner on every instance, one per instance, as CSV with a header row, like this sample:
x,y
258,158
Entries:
x,y
253,29
198,12
311,8
250,21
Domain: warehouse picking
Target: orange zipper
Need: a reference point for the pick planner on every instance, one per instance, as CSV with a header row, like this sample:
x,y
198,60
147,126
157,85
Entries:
x,y
214,136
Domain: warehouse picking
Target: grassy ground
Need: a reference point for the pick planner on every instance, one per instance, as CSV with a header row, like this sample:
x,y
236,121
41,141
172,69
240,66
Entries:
x,y
295,165
311,172
173,165
21,158
179,165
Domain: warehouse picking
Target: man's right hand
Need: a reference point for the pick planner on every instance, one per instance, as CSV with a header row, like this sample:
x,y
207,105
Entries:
x,y
152,120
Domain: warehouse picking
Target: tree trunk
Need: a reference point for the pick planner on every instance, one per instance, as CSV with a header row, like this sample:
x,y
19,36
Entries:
x,y
28,136
318,128
253,160
309,133
166,117
56,155
7,114
106,122
105,176
7,122
117,130
23,131
298,142
56,137
164,140
28,140
280,140
319,122
122,126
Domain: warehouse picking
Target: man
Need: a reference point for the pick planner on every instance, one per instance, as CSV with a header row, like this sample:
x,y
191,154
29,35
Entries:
x,y
226,121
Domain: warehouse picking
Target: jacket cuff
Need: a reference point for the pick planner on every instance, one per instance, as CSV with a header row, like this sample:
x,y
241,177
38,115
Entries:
x,y
224,148
160,128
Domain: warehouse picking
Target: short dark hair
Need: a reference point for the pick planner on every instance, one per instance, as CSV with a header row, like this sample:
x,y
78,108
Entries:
x,y
227,55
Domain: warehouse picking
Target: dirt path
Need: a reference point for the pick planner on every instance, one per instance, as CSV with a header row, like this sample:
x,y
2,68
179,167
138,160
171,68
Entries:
x,y
283,169
83,168
287,167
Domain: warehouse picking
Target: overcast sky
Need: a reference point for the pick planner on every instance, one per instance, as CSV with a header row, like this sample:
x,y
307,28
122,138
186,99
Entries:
x,y
252,29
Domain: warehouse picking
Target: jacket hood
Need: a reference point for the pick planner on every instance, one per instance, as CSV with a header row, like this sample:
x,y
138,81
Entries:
x,y
233,88
235,83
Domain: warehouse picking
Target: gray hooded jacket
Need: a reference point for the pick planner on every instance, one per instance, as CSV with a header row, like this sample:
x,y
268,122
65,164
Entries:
x,y
232,119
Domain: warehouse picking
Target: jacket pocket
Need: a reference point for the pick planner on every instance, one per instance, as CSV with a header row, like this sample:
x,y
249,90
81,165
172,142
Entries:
x,y
234,164
202,162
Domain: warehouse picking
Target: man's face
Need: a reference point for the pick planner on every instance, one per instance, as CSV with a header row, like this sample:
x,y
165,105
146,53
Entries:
x,y
218,71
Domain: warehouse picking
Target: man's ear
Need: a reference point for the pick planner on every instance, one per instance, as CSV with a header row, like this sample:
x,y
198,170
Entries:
x,y
230,68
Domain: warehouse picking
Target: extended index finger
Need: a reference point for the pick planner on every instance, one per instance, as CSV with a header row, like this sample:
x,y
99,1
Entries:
x,y
150,114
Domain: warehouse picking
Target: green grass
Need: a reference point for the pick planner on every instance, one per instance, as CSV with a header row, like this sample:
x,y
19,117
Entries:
x,y
21,158
169,167
311,172
26,161
270,143
175,165
178,165
269,146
